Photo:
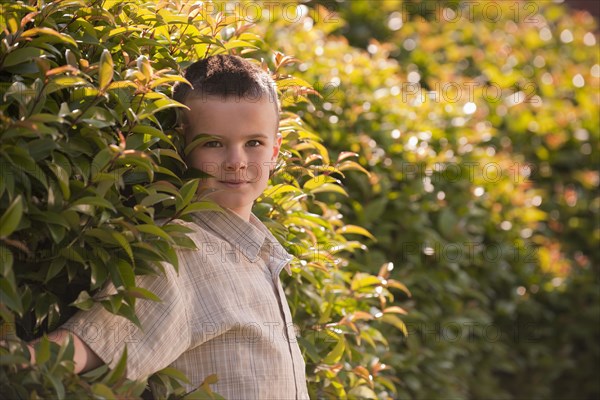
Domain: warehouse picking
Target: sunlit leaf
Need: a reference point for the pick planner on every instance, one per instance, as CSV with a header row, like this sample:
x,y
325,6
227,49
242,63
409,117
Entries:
x,y
48,31
105,70
354,229
336,354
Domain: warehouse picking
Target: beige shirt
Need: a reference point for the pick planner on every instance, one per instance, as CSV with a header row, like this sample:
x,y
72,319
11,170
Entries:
x,y
225,313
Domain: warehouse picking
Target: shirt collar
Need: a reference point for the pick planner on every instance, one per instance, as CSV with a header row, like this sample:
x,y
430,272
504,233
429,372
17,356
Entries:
x,y
247,236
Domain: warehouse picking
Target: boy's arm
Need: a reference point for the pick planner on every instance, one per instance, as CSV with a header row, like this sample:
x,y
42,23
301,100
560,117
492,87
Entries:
x,y
85,359
100,336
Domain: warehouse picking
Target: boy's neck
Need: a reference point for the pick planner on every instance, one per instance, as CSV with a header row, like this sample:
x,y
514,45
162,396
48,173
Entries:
x,y
243,213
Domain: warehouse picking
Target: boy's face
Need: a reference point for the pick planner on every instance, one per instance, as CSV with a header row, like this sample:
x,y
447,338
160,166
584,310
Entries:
x,y
241,154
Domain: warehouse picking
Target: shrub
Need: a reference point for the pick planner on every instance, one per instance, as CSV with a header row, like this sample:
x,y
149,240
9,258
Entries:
x,y
92,179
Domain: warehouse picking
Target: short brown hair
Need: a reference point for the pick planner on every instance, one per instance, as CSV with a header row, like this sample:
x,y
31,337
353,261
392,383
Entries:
x,y
226,76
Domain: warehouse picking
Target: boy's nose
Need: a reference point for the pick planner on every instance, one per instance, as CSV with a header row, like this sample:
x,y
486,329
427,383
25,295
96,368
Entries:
x,y
234,160
233,166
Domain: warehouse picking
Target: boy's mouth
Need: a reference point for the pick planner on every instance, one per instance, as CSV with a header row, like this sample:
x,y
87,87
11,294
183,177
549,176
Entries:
x,y
233,184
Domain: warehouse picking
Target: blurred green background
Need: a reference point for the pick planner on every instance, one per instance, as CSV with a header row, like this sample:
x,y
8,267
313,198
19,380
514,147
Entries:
x,y
479,124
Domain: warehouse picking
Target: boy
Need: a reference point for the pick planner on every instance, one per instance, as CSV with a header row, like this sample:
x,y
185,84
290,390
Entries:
x,y
225,313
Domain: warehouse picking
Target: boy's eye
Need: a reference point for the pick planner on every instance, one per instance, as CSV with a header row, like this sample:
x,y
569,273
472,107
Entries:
x,y
253,143
212,143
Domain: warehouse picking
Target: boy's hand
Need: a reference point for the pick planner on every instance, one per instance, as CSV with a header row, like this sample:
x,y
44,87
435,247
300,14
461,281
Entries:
x,y
4,344
84,358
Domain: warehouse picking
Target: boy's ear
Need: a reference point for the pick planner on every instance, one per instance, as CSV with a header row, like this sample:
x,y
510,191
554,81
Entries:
x,y
276,146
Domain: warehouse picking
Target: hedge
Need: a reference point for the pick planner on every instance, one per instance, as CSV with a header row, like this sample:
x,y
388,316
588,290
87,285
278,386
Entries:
x,y
92,178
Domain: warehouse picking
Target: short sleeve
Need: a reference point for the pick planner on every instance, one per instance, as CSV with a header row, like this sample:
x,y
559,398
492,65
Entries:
x,y
164,336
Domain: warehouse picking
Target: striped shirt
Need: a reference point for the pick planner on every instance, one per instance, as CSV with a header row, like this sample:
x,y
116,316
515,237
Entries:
x,y
224,313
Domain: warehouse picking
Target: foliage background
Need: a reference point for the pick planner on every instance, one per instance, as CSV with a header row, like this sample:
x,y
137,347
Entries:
x,y
503,267
486,205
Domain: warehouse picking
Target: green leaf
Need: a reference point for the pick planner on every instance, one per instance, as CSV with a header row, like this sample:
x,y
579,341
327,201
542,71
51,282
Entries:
x,y
99,273
103,392
118,372
352,166
42,351
63,179
200,206
210,380
362,280
398,285
356,230
83,301
362,392
292,82
281,189
175,373
96,373
126,273
232,44
176,227
141,160
11,217
155,198
41,148
63,82
168,79
322,151
22,55
164,186
318,181
9,295
20,92
141,293
92,201
144,67
50,217
127,311
395,321
120,31
104,234
197,141
101,160
12,24
105,70
72,253
168,253
152,131
160,105
336,354
121,85
188,191
170,153
48,31
71,59
58,386
66,351
6,261
330,187
55,267
154,230
169,172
